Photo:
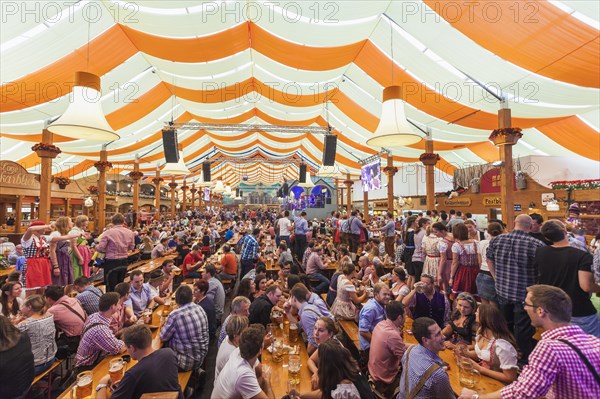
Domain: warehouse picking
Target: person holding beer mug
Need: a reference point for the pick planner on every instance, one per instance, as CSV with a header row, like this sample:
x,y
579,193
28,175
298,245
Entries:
x,y
155,371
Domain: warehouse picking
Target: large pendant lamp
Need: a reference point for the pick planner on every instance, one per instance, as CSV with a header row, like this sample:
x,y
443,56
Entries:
x,y
228,191
330,171
175,169
84,118
393,130
219,187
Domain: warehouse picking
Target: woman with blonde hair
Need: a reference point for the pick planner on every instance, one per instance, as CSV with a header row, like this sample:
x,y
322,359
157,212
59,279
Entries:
x,y
60,256
39,325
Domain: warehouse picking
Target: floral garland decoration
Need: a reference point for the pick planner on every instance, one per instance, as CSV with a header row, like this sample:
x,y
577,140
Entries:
x,y
429,156
157,180
93,189
61,180
46,147
103,165
135,175
507,131
590,184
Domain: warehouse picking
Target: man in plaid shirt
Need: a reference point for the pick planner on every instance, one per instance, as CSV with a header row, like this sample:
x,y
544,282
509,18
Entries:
x,y
556,369
249,251
186,330
97,339
511,257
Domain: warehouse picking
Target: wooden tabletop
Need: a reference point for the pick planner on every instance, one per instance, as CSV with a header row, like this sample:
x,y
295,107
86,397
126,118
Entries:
x,y
102,368
279,373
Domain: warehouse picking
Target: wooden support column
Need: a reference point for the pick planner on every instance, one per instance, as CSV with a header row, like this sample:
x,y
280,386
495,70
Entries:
x,y
102,166
157,179
67,207
390,171
173,185
366,206
46,176
193,190
337,194
18,213
506,171
349,184
136,175
184,189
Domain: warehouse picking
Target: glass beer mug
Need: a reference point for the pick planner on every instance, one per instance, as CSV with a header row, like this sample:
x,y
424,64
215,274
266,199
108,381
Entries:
x,y
83,386
116,369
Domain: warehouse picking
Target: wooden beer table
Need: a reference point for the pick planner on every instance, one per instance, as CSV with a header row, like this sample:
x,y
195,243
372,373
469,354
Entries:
x,y
484,385
279,373
101,368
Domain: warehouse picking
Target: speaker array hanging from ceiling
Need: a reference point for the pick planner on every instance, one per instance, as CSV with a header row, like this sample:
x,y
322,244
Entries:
x,y
302,178
241,193
169,137
329,150
206,171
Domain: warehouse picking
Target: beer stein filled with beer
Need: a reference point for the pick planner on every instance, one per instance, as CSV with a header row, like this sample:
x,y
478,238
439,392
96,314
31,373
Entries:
x,y
116,369
83,386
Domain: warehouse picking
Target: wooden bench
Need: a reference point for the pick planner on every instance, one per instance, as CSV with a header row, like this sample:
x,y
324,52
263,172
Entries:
x,y
48,373
350,328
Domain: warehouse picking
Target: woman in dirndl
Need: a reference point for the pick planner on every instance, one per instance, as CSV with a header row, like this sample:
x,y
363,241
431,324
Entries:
x,y
61,243
465,264
35,249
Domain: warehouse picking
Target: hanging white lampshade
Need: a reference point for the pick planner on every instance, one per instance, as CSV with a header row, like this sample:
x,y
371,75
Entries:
x,y
175,169
84,118
309,183
219,187
88,202
330,171
393,130
228,191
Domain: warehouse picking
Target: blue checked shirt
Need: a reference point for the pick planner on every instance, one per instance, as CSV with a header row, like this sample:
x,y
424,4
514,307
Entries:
x,y
139,300
419,360
186,330
89,299
513,255
249,248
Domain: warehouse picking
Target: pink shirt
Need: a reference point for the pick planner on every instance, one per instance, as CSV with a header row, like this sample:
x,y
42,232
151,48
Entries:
x,y
65,320
116,242
117,321
387,349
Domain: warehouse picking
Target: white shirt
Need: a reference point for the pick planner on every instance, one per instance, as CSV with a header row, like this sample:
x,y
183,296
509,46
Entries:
x,y
237,380
284,225
223,355
503,351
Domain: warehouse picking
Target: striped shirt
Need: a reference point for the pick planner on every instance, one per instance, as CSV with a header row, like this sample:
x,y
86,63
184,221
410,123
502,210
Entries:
x,y
186,330
555,370
97,340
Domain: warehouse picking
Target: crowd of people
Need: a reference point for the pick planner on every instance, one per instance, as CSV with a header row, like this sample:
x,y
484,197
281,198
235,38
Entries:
x,y
481,292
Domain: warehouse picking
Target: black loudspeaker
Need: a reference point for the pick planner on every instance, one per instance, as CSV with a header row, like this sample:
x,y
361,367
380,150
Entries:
x,y
206,171
169,137
330,145
285,190
241,193
302,173
237,192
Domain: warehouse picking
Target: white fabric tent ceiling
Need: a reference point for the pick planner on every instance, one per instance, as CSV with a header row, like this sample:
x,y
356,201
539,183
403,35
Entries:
x,y
261,62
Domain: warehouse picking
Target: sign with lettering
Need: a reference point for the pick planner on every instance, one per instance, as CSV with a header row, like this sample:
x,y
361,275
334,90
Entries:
x,y
491,180
14,175
517,207
457,202
492,201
